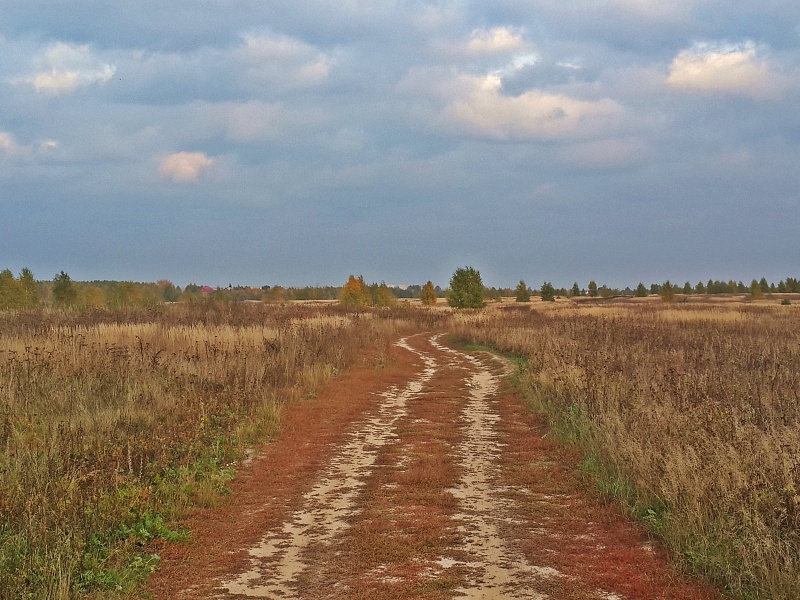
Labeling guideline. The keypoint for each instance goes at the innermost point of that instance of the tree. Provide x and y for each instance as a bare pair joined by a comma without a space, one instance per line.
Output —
428,294
548,292
65,292
764,285
576,290
641,291
700,288
466,289
756,290
522,293
12,294
687,288
92,297
593,289
355,292
667,291
383,296
30,289
169,292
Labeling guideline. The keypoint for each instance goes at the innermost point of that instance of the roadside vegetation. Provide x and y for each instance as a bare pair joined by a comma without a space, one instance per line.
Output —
688,415
114,423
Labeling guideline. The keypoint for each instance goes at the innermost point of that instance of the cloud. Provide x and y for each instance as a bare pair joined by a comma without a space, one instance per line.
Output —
284,60
185,166
476,105
606,153
66,67
498,39
727,69
656,10
8,145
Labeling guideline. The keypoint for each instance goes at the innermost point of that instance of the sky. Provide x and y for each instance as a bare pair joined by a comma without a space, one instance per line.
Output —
297,142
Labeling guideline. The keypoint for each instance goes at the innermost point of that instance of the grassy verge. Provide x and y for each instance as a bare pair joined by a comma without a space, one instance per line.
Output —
686,416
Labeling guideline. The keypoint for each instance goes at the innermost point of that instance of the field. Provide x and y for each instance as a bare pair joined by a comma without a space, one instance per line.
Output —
113,424
687,414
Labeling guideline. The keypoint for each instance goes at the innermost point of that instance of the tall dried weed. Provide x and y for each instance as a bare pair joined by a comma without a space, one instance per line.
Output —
690,415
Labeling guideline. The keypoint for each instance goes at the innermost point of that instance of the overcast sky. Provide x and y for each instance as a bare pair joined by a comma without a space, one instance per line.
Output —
296,142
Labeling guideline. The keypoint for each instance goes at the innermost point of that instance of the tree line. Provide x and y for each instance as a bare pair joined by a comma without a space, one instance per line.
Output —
465,290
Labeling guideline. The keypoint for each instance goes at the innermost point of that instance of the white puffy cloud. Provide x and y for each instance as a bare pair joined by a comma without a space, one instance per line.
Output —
65,67
185,166
498,39
476,105
728,69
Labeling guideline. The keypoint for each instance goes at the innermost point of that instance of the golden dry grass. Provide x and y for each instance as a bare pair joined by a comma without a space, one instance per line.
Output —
689,414
112,423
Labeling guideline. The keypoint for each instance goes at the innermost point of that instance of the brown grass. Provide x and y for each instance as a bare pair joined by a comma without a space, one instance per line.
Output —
112,423
688,414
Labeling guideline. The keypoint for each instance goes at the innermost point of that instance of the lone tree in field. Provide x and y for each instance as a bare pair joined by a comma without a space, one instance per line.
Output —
548,292
466,289
522,293
667,291
428,295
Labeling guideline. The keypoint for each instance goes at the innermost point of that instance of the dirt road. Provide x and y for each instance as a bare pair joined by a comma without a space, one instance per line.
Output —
423,479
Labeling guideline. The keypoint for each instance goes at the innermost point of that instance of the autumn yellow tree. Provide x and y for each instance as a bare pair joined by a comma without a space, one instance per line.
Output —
428,295
355,292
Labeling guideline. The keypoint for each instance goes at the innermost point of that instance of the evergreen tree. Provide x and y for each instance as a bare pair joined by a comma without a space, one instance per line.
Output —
576,290
593,288
667,291
548,292
522,293
699,288
687,288
65,292
466,289
641,291
756,290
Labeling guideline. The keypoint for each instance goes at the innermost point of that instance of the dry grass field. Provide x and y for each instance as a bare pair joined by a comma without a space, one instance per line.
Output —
112,423
689,414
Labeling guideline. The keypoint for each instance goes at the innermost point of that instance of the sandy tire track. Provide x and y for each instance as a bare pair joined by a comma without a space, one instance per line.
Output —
279,559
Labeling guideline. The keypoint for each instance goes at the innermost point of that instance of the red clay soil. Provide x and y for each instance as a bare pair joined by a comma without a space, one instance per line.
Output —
462,496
